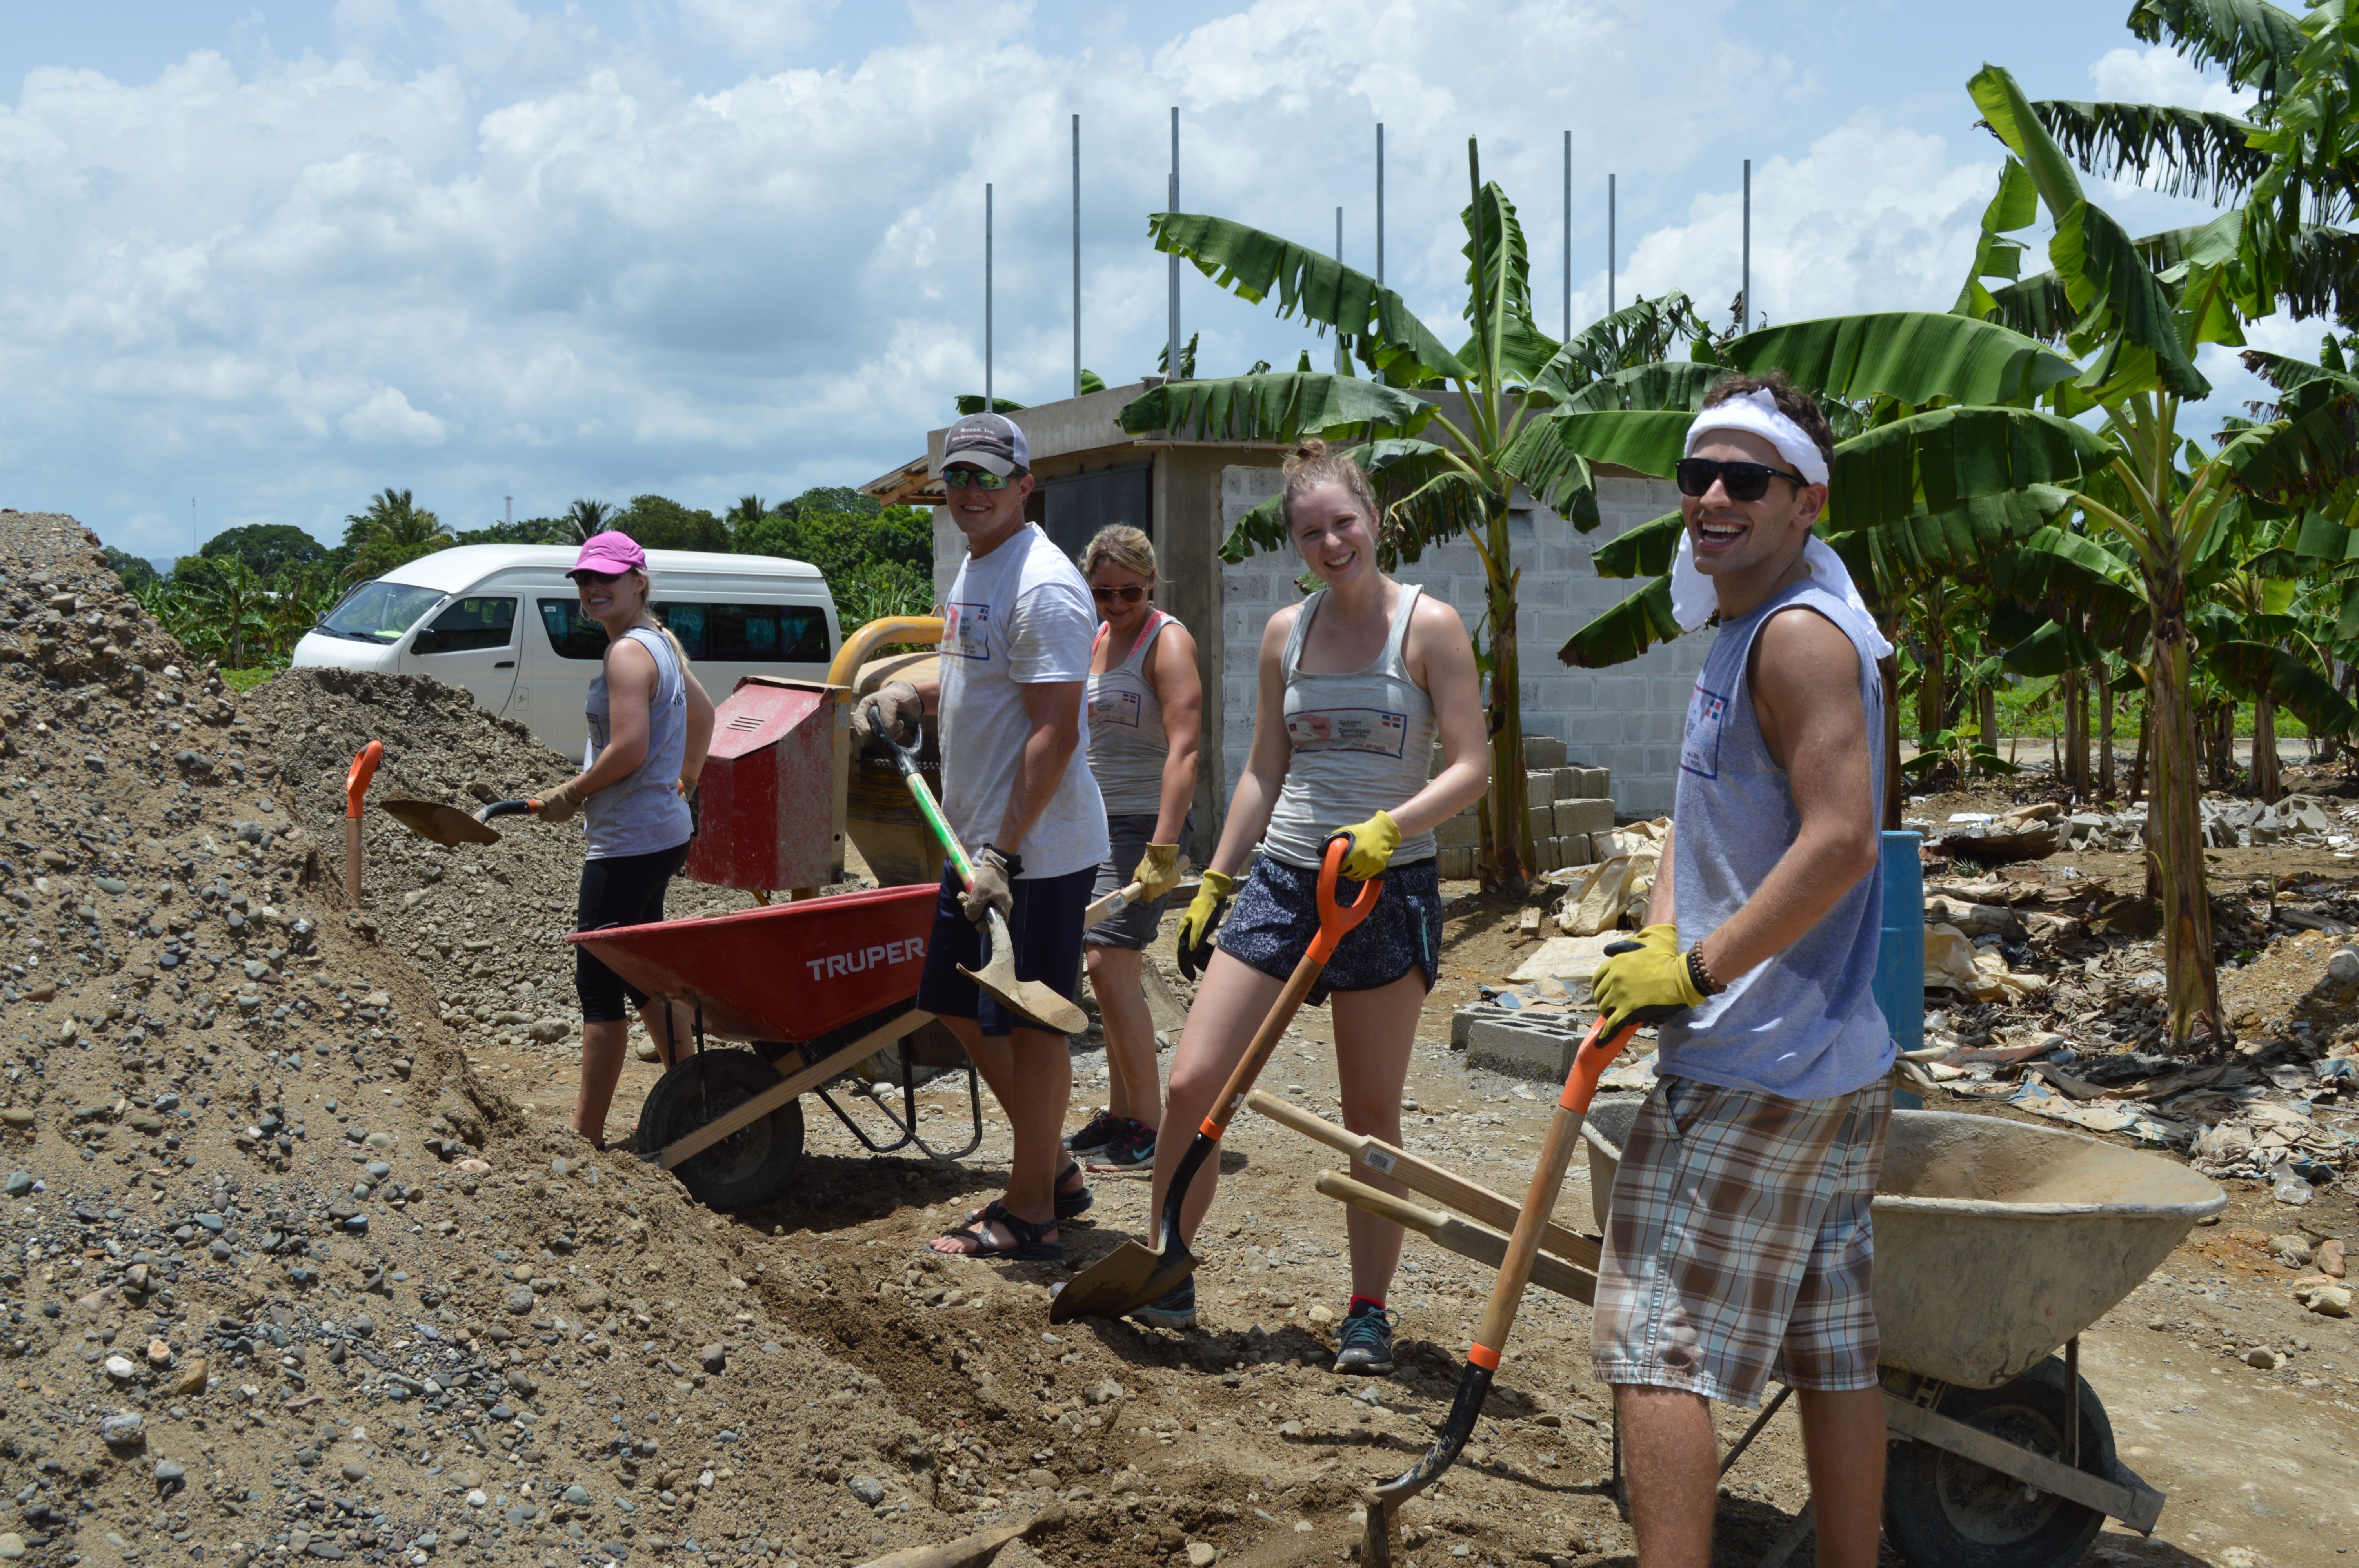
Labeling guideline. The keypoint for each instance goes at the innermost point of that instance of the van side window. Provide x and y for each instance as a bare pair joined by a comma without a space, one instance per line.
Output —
471,623
573,634
749,634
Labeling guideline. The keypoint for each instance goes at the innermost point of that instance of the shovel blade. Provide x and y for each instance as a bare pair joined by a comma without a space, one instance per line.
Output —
1033,1000
1122,1281
444,825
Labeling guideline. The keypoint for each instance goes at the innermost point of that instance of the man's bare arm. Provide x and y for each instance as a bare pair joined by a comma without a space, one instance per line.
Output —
1805,684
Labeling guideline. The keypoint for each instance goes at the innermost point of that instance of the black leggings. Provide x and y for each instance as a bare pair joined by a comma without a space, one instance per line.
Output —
622,890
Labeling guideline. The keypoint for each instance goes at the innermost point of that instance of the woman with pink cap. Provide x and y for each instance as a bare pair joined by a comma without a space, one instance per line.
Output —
650,723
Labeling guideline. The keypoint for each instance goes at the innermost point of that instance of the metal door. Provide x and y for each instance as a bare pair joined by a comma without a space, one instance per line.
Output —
470,643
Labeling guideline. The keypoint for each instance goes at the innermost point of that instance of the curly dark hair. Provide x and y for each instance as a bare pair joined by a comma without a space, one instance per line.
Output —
1791,400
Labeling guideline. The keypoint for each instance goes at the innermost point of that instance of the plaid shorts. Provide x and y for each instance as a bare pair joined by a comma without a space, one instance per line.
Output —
1739,1239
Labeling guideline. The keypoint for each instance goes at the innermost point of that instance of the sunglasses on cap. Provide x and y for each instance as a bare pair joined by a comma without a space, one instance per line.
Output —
1743,481
959,478
1129,593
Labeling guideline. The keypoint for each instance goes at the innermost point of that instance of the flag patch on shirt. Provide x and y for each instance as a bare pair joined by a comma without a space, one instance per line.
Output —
1348,730
1700,747
966,631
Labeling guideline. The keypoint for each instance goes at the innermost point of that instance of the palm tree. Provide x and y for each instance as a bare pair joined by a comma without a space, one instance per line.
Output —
393,529
586,517
1487,401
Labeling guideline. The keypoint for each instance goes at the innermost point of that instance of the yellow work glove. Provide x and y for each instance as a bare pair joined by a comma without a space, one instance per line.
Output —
560,804
1203,917
1646,979
1373,843
1158,872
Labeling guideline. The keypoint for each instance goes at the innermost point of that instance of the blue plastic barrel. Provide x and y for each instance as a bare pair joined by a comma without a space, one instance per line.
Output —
1900,961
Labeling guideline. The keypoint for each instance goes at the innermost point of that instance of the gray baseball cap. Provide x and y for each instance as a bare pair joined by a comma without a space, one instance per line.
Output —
988,441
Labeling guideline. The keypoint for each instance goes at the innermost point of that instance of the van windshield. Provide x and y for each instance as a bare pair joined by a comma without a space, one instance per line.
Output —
380,612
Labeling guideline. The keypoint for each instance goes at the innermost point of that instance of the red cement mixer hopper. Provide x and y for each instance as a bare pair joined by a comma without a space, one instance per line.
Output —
765,797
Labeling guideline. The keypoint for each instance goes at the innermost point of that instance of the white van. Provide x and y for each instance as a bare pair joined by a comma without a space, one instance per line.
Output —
504,622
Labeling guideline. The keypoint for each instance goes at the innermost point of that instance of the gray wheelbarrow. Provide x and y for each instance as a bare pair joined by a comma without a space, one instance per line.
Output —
1997,1243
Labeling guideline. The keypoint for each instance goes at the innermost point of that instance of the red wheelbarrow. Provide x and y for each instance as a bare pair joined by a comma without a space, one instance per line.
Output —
815,986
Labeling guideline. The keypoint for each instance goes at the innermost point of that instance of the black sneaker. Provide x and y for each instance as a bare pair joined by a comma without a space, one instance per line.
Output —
1132,1149
1364,1345
1095,1133
1175,1308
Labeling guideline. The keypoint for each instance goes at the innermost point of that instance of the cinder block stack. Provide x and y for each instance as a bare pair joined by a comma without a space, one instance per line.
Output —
1569,803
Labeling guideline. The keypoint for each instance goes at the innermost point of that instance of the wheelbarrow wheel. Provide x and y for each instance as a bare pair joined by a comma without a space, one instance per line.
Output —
1943,1510
753,1165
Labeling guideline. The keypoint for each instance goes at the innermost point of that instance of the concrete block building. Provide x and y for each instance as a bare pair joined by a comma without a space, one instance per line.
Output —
1188,495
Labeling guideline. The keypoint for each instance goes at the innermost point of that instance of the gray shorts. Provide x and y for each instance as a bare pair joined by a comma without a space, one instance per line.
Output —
1127,835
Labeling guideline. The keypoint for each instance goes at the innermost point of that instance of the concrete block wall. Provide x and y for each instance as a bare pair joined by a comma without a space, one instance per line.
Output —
1627,719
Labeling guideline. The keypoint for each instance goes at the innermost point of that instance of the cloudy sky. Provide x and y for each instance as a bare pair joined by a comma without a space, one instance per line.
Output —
272,257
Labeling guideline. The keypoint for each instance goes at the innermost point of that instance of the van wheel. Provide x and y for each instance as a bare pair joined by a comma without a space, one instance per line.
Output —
753,1165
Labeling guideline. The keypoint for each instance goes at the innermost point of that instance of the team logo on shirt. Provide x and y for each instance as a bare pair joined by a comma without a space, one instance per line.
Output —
966,631
1700,747
1370,730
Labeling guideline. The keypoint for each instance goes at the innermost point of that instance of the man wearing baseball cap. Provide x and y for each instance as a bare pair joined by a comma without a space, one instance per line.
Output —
1017,790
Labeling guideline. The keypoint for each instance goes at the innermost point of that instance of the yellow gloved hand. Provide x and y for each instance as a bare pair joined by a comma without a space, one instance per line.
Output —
1203,917
1373,843
1158,872
1645,979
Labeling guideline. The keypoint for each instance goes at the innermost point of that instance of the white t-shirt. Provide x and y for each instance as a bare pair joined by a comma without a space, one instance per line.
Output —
1019,616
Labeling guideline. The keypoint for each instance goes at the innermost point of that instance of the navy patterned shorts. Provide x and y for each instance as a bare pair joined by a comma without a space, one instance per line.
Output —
1277,914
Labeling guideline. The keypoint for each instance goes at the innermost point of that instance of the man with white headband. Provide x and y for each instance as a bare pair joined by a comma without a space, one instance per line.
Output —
1738,1241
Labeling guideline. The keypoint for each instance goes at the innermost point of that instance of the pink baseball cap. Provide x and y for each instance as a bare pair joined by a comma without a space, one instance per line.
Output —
609,555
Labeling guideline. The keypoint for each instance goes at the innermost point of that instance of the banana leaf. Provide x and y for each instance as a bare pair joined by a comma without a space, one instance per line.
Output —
2304,458
1641,332
1503,269
2115,294
1646,550
1913,355
2254,42
2180,152
2296,685
1282,407
1958,542
1624,631
1940,459
1666,383
1252,264
2050,651
2015,205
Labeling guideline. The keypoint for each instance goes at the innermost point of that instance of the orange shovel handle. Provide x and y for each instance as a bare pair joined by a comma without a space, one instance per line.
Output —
356,782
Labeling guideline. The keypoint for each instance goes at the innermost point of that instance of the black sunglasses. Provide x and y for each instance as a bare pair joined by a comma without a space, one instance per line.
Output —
1129,593
1743,481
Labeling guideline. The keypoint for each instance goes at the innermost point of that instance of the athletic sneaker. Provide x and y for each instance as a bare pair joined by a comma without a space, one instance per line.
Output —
1175,1308
1132,1147
1097,1132
1364,1343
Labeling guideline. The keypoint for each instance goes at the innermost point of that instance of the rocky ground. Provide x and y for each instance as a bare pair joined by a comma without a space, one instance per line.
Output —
302,1264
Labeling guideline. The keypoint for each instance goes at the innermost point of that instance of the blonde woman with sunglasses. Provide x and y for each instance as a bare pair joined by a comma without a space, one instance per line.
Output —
1147,704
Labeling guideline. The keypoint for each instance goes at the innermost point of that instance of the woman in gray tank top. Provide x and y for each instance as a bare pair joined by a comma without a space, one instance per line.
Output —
1147,705
650,722
1355,683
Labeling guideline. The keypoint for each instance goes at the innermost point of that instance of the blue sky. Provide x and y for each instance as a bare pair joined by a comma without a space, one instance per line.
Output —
273,257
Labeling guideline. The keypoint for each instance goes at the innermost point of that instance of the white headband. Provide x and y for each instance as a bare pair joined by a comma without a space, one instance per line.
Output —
1756,413
1693,597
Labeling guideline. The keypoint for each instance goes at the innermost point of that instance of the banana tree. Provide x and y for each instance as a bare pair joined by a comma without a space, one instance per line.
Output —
1445,435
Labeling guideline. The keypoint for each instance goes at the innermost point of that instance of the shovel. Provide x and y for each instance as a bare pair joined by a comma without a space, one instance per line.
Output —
1030,999
1597,1052
357,785
448,825
1130,1276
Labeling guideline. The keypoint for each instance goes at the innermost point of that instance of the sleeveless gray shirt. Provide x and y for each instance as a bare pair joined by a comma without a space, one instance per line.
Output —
1127,746
644,813
1360,743
1804,1025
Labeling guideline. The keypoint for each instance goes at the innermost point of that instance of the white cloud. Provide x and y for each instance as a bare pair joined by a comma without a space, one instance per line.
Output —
2158,75
1872,217
757,29
386,419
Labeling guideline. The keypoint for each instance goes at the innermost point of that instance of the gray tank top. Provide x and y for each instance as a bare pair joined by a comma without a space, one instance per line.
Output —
1127,746
1360,743
1804,1025
644,813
